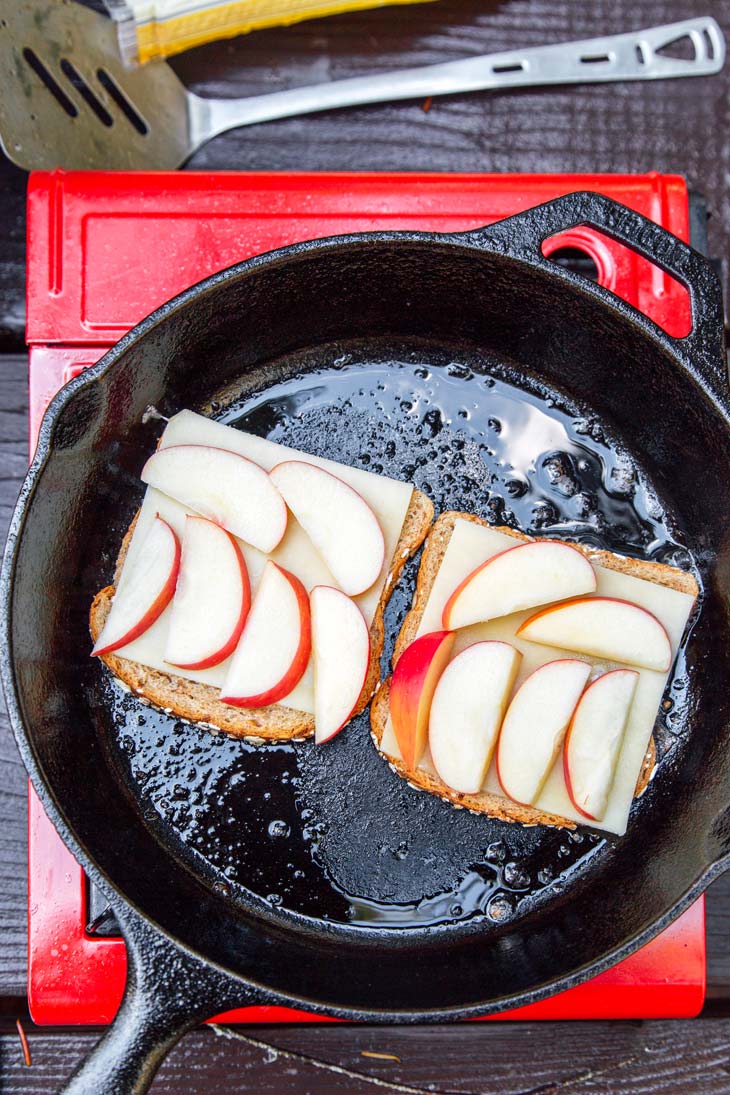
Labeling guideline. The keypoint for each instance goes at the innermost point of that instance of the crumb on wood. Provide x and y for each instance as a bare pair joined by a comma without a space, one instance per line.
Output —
24,1043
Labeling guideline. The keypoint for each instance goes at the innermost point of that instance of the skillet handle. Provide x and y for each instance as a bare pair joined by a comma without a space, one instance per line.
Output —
168,992
522,236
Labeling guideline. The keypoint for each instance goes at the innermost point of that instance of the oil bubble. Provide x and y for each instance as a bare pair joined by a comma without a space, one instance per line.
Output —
500,908
433,423
543,515
516,876
558,470
459,371
516,488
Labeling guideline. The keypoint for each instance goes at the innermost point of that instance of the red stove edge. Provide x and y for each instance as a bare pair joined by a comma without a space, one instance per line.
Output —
75,978
79,225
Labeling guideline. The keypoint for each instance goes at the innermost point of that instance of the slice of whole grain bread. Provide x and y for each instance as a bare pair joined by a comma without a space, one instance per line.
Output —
199,703
485,802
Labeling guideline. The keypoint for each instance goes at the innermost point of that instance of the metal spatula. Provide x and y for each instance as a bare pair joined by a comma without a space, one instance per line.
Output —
67,100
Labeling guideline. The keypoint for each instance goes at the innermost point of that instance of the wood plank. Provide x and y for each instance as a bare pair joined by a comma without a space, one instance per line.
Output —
718,941
476,1059
13,865
678,126
12,256
13,780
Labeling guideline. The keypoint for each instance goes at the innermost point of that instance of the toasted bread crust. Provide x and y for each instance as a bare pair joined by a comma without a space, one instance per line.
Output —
485,803
199,703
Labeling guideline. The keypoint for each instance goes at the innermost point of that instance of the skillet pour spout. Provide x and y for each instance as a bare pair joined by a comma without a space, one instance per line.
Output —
200,943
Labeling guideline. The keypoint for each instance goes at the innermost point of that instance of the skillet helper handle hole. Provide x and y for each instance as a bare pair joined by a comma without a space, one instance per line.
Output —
524,235
617,267
169,991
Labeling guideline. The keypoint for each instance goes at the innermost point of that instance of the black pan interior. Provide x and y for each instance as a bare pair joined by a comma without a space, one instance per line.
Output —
497,390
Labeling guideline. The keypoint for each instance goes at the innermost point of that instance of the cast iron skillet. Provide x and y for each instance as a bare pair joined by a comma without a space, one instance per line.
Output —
316,877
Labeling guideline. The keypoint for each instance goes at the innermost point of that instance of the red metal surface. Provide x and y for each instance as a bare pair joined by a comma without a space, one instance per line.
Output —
103,251
74,978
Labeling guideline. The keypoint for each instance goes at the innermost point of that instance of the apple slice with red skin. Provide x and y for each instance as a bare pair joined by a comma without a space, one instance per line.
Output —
223,486
534,727
274,649
518,578
604,627
412,686
338,521
145,589
594,738
212,597
467,710
341,645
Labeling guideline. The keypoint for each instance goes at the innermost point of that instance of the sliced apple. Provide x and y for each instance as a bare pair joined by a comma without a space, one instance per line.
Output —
338,521
467,710
223,486
212,597
341,645
593,742
275,645
534,727
604,627
145,589
412,686
518,578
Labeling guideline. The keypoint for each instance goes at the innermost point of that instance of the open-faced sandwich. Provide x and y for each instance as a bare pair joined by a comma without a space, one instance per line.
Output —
250,588
529,673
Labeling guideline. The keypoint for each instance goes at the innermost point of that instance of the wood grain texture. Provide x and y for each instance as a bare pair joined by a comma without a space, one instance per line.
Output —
718,943
469,1059
12,256
13,780
675,126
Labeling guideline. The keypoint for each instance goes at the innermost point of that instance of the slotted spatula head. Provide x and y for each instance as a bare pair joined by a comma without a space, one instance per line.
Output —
68,101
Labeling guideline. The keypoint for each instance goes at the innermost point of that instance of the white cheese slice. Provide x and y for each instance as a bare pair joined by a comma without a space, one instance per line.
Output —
388,498
469,546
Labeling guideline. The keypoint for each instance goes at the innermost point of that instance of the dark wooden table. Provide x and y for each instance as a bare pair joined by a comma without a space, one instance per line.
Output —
681,126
